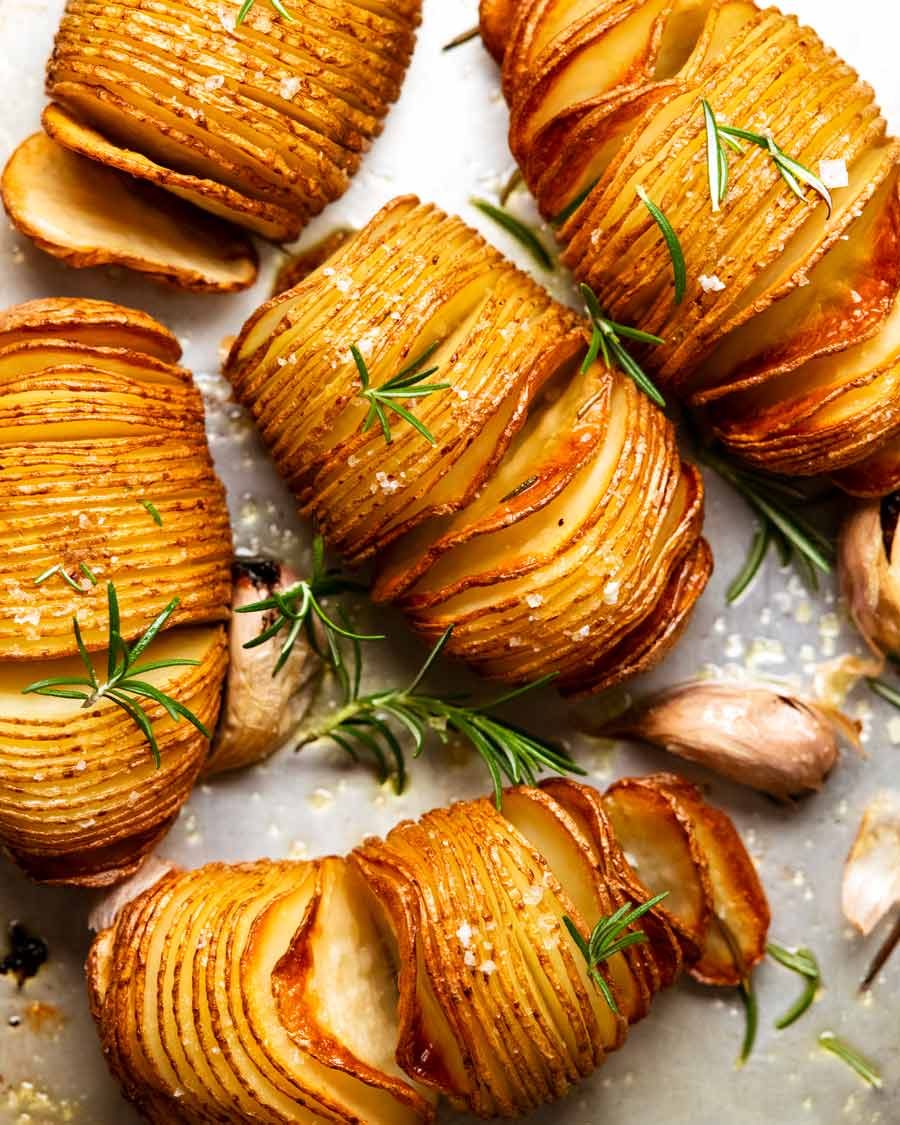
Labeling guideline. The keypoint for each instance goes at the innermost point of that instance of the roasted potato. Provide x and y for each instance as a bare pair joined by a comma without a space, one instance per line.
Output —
788,335
166,120
545,514
105,478
434,962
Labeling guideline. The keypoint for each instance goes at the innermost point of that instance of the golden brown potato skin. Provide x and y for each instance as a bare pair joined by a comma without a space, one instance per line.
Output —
551,523
207,988
96,418
788,336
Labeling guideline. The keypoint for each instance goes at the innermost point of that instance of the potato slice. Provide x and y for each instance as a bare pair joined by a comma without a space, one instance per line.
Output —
90,216
266,219
551,522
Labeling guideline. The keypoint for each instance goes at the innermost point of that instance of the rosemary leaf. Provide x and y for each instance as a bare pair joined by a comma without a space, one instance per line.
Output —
154,512
406,384
120,686
762,539
867,1072
519,489
362,725
278,5
611,935
521,232
804,963
463,37
679,269
606,339
751,1018
572,206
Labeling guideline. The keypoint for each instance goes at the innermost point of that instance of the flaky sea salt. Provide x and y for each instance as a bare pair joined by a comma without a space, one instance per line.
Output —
464,933
289,88
833,173
534,600
711,283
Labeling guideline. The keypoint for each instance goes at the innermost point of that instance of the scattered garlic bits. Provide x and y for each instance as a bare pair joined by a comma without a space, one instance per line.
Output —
435,962
871,885
259,124
788,328
523,574
95,413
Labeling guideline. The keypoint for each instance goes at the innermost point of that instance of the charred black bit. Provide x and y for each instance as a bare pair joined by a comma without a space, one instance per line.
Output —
27,953
263,573
890,513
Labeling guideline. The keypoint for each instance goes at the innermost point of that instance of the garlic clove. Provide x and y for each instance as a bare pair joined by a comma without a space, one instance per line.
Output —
259,709
872,870
752,734
869,571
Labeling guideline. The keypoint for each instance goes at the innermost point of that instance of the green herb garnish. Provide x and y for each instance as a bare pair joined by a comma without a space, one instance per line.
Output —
513,184
719,137
463,37
276,4
751,1017
367,724
123,685
154,512
299,608
606,338
406,384
59,569
608,938
867,1072
521,232
572,206
800,961
679,269
774,502
519,489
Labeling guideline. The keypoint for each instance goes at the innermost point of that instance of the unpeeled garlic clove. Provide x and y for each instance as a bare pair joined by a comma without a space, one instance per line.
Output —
755,735
869,569
872,869
259,709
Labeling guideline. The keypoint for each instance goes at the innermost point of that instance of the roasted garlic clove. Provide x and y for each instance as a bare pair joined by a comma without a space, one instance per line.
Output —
755,735
869,568
872,870
260,708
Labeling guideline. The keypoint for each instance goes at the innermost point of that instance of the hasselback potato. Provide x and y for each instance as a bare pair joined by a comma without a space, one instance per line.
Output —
168,118
788,333
541,511
107,494
434,962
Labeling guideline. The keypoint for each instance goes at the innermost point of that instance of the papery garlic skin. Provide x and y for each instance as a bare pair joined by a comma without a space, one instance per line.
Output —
872,870
870,577
751,734
260,710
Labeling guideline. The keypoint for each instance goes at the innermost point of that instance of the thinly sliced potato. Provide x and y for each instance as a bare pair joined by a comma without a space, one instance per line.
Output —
89,215
550,522
433,962
784,333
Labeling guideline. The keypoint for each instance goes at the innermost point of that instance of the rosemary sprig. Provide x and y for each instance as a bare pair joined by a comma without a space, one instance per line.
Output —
521,232
747,993
59,569
366,724
123,684
463,37
800,961
406,384
719,137
867,1072
530,482
679,268
572,206
278,5
153,510
885,691
515,181
608,938
298,608
606,338
774,502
